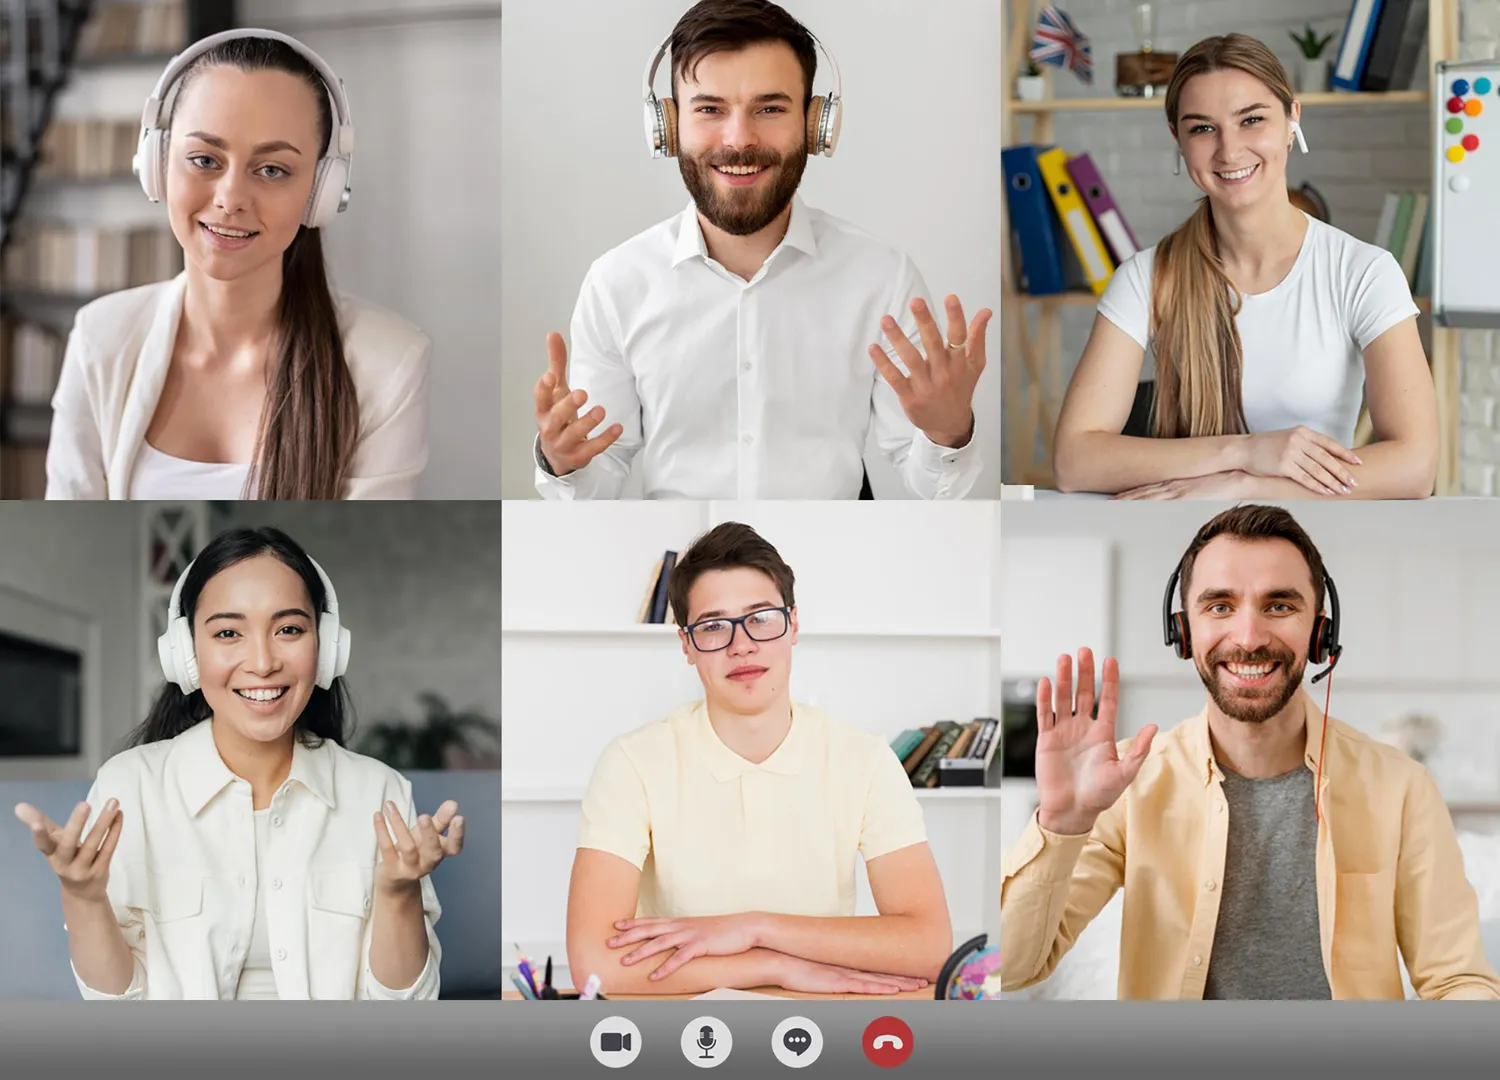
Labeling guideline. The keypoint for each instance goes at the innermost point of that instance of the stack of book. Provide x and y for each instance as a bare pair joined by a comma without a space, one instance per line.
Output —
1380,46
88,149
1403,232
948,754
120,29
86,262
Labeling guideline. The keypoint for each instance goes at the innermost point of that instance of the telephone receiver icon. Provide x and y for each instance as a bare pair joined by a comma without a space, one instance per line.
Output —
887,1040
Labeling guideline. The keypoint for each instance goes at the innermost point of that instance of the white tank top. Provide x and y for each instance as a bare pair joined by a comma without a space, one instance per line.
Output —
159,476
257,982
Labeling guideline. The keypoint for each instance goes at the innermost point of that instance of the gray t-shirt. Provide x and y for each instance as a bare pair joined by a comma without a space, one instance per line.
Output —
1266,943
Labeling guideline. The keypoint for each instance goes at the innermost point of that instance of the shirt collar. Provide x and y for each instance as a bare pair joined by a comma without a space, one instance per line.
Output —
1203,750
724,764
203,773
691,244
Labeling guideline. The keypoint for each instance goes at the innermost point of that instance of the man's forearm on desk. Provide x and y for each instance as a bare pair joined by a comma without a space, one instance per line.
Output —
742,971
889,944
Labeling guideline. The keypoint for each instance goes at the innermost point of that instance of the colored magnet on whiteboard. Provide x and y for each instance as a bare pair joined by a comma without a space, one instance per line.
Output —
1473,106
1455,153
1481,86
1455,125
1455,105
1471,143
1459,183
1461,87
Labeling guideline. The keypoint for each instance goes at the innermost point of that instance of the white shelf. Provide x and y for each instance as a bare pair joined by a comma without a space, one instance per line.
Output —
575,794
656,630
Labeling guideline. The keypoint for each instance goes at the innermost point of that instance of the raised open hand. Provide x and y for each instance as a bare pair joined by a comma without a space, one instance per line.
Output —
1079,774
81,866
938,394
564,434
407,857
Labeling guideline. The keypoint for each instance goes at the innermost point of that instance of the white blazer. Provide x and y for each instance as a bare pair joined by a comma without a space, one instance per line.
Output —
116,365
183,878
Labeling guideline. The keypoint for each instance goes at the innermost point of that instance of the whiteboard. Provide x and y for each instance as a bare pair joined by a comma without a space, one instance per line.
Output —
1466,193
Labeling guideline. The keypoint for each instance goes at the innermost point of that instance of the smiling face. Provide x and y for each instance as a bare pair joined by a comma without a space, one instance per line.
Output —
1235,136
255,637
748,676
742,135
241,159
1251,612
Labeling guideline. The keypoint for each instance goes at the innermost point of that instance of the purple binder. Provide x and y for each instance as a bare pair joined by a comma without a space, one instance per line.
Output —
1112,224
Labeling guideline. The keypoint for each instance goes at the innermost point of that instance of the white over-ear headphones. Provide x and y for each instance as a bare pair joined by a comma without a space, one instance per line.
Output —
179,662
330,190
825,115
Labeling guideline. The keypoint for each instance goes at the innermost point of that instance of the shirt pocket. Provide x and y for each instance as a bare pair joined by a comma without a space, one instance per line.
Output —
1364,927
339,899
164,894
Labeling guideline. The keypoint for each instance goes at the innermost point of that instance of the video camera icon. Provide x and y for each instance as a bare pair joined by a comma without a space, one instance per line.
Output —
615,1042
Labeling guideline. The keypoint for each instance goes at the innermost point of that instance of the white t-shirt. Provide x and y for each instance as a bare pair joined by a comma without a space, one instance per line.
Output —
1304,340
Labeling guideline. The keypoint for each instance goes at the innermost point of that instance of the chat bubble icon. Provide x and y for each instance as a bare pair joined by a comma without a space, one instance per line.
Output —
797,1040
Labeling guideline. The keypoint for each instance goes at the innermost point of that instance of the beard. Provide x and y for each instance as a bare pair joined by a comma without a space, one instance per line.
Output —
1252,706
742,211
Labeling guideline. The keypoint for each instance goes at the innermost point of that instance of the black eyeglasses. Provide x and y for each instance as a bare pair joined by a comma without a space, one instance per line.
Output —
712,635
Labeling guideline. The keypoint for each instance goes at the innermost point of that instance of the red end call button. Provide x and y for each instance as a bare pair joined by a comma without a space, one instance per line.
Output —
888,1042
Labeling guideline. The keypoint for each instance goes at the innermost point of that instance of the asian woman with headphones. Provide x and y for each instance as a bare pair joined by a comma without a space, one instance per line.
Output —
1268,327
245,376
237,850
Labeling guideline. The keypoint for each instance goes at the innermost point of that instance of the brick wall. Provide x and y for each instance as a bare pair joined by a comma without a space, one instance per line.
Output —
1356,154
1479,437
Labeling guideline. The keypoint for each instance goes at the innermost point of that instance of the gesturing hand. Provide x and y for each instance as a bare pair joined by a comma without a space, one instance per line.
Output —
722,935
938,394
1309,457
565,435
809,977
83,868
1079,774
406,858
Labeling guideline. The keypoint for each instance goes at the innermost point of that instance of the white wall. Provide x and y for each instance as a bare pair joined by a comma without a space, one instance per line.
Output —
918,166
876,587
1419,589
422,232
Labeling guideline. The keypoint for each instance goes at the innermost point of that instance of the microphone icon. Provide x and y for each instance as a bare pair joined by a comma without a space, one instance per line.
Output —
706,1041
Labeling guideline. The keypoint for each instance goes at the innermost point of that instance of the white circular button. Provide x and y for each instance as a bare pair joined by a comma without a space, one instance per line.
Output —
748,439
615,1042
746,366
275,883
1210,886
706,1042
1459,183
281,954
1197,960
276,821
797,1042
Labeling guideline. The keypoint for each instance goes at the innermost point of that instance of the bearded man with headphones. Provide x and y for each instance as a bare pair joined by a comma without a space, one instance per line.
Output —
1266,849
728,349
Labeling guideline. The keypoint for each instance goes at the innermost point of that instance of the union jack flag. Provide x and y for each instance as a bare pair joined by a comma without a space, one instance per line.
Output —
1059,42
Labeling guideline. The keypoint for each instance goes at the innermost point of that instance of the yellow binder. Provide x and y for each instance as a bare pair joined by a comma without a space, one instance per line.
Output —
1097,264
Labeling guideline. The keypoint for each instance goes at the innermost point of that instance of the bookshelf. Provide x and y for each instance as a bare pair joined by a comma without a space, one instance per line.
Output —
70,230
1033,365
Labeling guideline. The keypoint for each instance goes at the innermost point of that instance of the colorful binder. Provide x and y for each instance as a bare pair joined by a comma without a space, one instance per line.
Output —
1117,234
1082,233
1038,232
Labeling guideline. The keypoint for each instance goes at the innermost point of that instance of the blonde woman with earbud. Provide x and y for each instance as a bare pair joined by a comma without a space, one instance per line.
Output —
1268,327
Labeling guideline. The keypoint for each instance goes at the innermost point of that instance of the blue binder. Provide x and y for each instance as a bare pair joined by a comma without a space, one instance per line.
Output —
1038,230
1354,46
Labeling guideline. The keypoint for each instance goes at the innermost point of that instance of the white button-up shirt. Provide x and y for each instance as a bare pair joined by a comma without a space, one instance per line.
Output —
183,881
728,389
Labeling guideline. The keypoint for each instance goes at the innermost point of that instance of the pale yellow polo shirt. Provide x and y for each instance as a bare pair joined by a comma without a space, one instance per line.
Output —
715,834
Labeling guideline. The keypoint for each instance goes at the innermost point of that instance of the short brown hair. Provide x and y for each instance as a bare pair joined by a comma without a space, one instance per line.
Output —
714,26
727,547
1256,523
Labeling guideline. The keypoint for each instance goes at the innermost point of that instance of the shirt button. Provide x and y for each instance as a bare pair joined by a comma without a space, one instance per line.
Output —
746,366
281,954
367,902
275,883
748,439
1218,808
276,821
1197,961
242,879
1210,886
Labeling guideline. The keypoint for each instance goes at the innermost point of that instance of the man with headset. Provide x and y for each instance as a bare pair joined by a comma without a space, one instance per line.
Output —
1267,850
729,347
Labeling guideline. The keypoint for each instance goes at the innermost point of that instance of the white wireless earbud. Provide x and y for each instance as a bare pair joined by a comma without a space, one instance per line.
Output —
1297,131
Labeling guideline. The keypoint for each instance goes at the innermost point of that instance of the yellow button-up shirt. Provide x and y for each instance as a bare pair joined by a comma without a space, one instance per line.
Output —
1390,876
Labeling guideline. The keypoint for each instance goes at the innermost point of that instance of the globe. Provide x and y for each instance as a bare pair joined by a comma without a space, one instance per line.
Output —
977,977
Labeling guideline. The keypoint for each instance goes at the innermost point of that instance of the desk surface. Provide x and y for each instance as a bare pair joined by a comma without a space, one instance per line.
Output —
770,991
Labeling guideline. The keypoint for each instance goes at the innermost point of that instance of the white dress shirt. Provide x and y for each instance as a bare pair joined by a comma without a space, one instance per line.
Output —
116,365
728,389
185,876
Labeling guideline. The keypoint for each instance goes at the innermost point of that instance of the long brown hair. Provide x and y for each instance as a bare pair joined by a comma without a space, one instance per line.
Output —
310,423
1199,358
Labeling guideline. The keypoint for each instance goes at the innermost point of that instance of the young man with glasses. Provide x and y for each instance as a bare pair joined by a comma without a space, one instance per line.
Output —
718,847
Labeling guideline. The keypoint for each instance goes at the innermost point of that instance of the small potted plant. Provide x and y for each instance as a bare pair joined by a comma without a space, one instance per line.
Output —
1312,73
1031,86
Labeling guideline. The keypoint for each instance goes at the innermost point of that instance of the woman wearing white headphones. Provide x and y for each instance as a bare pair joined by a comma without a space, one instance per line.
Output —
243,377
1268,326
237,850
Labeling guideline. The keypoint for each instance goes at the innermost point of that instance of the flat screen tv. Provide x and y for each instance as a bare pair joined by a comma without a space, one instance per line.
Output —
41,699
